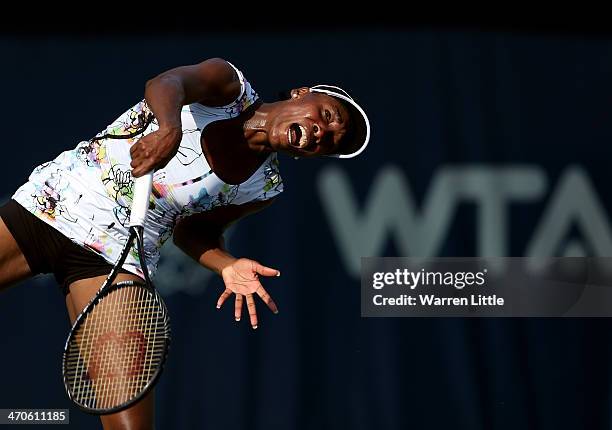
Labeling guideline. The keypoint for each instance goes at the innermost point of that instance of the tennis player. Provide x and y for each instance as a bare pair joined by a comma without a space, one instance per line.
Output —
213,145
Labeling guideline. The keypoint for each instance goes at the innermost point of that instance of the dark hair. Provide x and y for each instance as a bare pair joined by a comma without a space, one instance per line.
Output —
350,141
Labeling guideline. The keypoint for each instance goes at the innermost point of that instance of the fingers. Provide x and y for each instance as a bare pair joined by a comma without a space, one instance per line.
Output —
265,271
146,165
144,155
139,155
252,310
263,294
138,168
134,150
238,307
141,165
223,297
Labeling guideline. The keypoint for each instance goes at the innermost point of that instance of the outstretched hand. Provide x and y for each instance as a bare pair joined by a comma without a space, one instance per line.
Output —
155,150
242,278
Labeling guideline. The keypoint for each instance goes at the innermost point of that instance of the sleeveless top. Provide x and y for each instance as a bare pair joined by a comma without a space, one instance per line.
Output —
86,193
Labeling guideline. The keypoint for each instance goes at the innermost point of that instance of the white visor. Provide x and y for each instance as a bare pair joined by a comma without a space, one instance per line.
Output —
361,123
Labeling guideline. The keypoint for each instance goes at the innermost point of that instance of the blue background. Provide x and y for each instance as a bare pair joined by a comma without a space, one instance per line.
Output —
533,107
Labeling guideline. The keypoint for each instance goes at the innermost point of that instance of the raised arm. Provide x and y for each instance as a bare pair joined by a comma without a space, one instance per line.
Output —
213,82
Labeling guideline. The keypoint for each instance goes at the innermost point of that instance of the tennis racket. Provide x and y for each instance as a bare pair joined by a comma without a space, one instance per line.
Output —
117,347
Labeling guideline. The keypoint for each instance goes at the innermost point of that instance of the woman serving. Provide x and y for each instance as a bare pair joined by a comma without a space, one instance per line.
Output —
213,145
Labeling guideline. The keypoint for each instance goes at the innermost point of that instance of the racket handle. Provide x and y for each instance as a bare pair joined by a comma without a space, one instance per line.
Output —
140,202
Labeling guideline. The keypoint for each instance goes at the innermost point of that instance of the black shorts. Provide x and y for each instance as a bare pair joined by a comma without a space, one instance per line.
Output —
48,251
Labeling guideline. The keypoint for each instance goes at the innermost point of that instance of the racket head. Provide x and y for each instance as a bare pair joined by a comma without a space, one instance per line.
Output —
116,349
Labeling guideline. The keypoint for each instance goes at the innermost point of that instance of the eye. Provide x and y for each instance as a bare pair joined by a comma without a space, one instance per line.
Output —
327,116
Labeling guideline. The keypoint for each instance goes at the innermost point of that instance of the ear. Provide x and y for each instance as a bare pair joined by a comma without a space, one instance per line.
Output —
297,93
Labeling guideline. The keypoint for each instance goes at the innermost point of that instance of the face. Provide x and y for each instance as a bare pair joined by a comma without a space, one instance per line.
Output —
308,124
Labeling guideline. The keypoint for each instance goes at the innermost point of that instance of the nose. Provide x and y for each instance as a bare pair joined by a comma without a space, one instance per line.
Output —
318,131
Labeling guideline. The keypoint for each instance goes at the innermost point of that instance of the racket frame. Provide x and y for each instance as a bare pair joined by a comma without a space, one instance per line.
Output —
79,321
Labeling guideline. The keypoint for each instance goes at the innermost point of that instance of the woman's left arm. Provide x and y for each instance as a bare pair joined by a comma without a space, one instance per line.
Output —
201,237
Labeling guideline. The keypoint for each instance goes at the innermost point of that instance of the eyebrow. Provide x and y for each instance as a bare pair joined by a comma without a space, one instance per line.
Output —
338,115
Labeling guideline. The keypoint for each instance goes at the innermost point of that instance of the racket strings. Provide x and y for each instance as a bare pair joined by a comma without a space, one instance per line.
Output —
117,350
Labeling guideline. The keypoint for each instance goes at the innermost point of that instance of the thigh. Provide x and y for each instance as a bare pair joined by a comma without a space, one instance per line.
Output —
13,265
140,415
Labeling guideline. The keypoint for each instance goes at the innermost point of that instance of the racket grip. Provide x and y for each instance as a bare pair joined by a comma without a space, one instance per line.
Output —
140,202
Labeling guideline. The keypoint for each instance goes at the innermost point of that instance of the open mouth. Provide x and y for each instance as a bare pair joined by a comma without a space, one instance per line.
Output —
296,135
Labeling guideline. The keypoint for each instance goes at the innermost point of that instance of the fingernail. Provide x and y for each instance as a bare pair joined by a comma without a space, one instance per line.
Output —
254,327
237,319
278,273
218,307
275,312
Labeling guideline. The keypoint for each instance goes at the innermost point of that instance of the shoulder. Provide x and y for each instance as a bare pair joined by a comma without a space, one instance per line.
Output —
212,82
223,81
218,70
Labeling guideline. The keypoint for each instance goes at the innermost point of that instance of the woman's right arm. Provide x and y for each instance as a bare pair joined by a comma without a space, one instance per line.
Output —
212,82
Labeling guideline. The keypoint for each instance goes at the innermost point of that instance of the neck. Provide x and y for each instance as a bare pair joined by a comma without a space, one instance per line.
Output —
254,124
256,128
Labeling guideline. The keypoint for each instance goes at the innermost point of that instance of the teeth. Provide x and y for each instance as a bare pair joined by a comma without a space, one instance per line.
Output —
289,136
304,137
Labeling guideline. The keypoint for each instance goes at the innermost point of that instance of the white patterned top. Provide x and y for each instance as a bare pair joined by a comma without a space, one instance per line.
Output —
86,193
